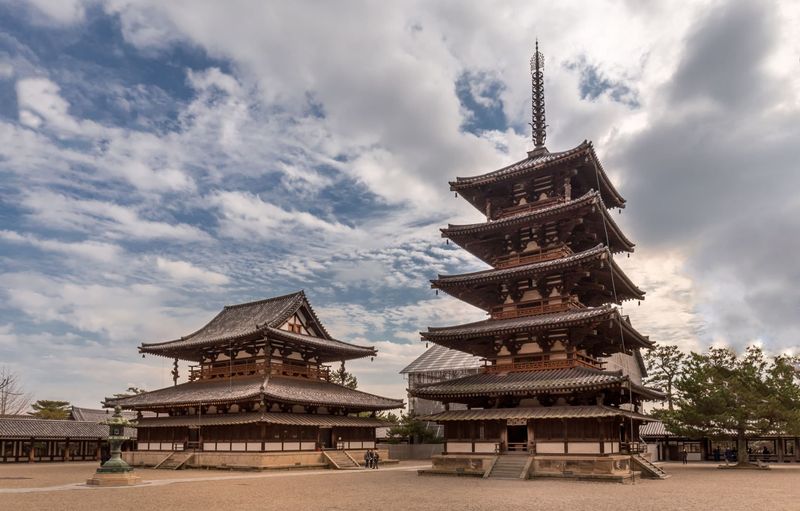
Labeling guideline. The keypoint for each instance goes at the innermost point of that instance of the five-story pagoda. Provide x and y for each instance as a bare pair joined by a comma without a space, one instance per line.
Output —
552,296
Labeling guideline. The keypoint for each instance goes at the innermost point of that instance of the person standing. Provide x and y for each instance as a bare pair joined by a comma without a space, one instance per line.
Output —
685,455
367,458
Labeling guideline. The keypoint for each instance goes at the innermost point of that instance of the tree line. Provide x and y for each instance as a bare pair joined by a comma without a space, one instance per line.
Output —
721,394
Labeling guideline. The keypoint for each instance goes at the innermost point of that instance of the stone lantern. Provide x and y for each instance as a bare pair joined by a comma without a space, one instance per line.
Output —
115,471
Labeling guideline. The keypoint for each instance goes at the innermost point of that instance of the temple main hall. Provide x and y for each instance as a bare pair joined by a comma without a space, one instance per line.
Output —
261,393
544,403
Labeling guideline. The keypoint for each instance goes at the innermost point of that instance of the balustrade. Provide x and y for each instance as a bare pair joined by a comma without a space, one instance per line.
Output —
258,367
531,206
533,308
577,360
538,256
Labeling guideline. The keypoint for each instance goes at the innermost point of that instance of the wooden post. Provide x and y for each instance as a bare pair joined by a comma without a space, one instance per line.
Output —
66,451
531,440
30,452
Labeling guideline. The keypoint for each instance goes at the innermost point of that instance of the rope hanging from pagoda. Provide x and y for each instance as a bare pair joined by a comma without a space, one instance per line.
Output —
537,123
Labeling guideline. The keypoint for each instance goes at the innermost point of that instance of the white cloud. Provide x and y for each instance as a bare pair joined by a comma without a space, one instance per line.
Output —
95,216
187,272
61,11
244,215
99,251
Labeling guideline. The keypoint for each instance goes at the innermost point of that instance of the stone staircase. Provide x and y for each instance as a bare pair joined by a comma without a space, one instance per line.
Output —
340,460
510,467
648,468
175,461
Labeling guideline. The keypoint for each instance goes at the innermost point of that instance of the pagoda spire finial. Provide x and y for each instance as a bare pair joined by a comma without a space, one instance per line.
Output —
538,125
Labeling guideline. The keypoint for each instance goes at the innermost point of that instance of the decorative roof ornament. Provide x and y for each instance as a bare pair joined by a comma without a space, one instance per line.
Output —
537,123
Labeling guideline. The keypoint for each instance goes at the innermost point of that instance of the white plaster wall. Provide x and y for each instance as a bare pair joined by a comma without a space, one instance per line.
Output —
549,447
459,446
584,447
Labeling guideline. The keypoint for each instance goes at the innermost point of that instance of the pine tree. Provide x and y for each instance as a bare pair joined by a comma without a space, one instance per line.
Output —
664,365
46,409
720,393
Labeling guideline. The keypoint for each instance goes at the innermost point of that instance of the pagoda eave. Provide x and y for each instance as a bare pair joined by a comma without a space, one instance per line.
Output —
536,164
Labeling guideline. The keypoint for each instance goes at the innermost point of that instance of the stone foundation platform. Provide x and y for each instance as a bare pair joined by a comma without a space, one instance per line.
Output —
121,479
613,467
248,460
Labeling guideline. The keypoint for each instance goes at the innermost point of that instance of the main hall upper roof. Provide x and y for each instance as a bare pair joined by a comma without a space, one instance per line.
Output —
255,321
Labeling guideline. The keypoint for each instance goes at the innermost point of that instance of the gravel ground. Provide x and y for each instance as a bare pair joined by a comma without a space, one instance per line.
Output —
691,487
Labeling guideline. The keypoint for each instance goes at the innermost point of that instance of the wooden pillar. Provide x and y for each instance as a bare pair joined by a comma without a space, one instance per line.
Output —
31,453
779,449
531,439
66,451
504,437
566,438
98,453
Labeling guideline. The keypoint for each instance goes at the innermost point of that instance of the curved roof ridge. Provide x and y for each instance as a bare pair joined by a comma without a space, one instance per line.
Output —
521,165
264,300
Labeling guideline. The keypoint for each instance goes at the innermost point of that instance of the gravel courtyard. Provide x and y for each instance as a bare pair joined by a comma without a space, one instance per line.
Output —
691,487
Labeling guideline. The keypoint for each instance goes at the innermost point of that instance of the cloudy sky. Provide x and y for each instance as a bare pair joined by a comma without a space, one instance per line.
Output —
161,159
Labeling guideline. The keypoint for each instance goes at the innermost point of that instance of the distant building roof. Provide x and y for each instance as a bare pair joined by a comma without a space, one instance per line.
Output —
96,415
438,358
51,429
654,429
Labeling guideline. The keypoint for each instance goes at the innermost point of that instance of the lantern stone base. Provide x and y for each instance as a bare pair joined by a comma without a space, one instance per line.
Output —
114,479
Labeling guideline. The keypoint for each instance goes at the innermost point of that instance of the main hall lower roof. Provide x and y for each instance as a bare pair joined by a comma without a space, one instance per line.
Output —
289,419
278,388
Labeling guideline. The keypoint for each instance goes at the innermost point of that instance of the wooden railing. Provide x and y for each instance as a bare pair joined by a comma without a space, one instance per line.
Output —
517,446
532,257
258,367
577,360
515,210
533,308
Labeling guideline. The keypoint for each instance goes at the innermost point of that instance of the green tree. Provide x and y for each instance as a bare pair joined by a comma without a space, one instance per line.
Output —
413,430
389,417
46,409
342,377
131,391
664,365
720,393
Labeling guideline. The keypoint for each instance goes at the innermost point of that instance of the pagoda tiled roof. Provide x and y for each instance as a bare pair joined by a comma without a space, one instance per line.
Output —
257,320
485,276
51,429
282,389
525,383
289,419
590,198
540,412
537,162
599,253
522,383
575,317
